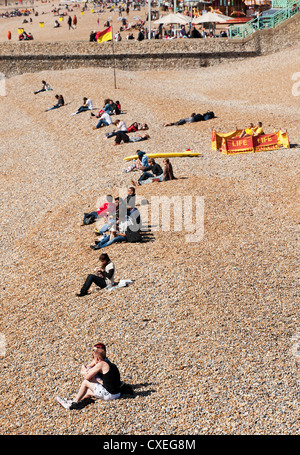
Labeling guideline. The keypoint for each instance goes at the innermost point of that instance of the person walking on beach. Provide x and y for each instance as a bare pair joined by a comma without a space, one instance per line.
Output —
70,22
74,21
101,380
104,275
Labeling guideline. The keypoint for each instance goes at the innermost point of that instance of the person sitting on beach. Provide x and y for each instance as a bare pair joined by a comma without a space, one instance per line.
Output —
108,107
44,88
112,219
121,126
103,277
86,106
129,200
124,232
193,118
252,130
60,103
116,106
165,176
106,209
248,131
153,170
140,163
56,24
101,381
259,130
105,120
122,136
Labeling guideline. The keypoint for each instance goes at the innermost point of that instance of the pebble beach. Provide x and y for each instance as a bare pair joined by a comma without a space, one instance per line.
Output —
208,333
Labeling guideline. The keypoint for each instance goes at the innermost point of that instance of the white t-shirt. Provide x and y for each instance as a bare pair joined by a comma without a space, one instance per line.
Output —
106,117
89,104
110,266
122,126
124,225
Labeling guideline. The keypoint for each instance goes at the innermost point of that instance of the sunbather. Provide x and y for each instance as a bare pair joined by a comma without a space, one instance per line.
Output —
101,380
166,175
104,275
105,120
86,106
44,88
60,103
193,118
122,136
140,163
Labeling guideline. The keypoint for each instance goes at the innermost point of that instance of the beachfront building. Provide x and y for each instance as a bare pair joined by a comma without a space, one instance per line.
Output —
228,7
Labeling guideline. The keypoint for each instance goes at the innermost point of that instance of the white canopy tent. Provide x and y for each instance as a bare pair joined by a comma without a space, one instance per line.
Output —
172,19
210,18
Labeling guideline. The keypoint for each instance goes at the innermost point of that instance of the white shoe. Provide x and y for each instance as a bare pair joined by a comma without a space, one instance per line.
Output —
64,403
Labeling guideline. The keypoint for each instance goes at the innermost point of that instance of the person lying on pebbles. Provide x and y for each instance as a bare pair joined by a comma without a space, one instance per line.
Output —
133,128
122,136
193,118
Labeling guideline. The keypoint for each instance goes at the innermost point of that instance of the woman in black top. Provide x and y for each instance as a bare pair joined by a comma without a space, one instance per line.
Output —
104,275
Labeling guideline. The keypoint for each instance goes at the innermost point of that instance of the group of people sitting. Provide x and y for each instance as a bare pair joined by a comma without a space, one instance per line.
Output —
24,36
150,170
252,130
122,220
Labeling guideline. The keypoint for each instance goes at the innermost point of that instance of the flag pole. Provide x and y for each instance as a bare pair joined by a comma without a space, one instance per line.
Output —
113,49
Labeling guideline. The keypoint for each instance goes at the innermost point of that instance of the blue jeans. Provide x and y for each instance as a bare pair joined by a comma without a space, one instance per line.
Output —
106,241
107,226
102,122
145,176
39,91
54,107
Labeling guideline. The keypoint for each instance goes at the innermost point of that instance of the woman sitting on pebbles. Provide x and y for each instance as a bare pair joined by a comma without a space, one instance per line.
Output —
60,103
103,277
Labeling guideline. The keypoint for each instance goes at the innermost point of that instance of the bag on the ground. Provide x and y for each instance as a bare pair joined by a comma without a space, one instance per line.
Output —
133,236
208,115
88,219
